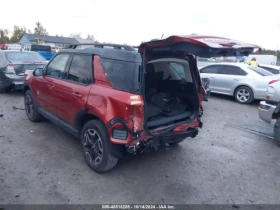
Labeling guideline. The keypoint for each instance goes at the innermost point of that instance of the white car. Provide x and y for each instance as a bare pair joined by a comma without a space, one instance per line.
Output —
242,81
269,110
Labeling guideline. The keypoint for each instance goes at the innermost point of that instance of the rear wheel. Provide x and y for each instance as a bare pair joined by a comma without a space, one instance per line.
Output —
277,131
96,147
244,95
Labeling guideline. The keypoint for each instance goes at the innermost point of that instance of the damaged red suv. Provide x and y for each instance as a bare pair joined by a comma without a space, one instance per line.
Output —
118,100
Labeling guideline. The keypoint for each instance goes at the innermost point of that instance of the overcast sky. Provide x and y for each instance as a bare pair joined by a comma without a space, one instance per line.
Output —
134,21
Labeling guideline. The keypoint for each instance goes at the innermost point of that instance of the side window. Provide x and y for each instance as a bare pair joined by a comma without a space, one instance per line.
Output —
209,70
81,69
242,72
57,66
179,69
230,70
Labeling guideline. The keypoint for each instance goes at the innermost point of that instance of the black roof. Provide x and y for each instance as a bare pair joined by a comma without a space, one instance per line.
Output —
52,39
110,53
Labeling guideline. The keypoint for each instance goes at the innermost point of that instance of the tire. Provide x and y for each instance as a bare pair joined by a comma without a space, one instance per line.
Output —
31,108
244,95
277,131
97,147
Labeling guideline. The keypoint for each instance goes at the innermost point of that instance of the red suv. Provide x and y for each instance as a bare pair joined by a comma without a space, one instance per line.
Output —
116,99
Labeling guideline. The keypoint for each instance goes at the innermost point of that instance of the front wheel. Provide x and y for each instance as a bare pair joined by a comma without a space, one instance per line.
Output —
96,147
31,108
244,95
277,131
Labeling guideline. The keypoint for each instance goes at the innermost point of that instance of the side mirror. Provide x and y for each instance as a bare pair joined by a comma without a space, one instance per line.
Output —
38,72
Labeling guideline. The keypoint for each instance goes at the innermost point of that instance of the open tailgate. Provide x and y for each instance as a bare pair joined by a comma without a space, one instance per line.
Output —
202,46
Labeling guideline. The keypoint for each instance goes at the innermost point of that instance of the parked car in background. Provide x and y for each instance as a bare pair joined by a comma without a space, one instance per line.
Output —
3,47
115,101
270,108
212,60
45,50
13,64
245,83
271,68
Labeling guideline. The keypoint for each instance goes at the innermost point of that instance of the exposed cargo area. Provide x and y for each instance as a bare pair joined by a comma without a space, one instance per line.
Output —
170,92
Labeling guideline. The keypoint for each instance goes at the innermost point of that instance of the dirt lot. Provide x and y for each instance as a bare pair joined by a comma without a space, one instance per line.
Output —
234,159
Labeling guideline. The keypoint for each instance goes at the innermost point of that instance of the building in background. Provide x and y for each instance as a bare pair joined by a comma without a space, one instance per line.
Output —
54,41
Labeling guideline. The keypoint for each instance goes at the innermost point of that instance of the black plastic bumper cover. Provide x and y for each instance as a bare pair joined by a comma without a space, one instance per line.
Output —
174,137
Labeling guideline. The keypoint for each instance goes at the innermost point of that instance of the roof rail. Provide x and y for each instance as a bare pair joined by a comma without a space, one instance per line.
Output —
99,45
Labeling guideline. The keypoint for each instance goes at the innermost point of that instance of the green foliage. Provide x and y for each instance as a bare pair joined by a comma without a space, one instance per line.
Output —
4,38
17,33
39,29
264,52
77,35
91,37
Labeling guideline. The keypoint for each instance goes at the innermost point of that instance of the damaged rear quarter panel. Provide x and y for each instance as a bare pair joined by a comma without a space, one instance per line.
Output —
107,103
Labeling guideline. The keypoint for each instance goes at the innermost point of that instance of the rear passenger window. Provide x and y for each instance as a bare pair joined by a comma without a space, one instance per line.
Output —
81,69
122,75
179,69
209,70
57,66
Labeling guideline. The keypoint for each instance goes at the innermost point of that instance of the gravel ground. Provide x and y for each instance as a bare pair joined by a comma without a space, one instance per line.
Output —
234,159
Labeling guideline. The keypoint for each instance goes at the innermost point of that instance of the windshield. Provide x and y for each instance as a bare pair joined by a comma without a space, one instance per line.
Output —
24,56
260,71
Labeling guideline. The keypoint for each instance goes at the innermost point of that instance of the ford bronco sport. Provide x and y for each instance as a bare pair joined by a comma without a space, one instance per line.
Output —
116,99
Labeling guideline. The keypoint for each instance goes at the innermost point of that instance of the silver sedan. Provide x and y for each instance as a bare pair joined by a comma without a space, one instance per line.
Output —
245,83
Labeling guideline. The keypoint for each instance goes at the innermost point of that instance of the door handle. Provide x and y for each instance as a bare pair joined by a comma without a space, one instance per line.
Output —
236,79
76,94
211,77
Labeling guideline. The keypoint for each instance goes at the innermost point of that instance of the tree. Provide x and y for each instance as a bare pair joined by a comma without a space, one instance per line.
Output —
278,55
39,29
77,35
91,37
17,33
264,52
4,38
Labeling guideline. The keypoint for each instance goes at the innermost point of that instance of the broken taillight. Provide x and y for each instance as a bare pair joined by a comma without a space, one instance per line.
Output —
10,69
136,100
272,81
